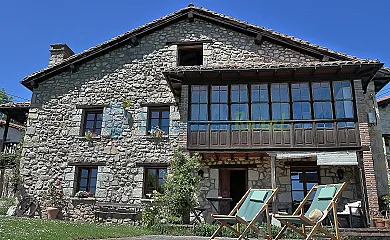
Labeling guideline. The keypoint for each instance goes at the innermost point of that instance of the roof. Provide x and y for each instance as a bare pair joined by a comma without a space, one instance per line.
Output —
275,65
16,110
384,101
255,72
185,13
12,125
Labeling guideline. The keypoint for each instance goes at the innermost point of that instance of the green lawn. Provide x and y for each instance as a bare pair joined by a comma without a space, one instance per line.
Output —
21,228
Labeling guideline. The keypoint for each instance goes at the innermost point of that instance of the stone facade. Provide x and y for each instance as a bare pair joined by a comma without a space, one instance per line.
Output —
54,147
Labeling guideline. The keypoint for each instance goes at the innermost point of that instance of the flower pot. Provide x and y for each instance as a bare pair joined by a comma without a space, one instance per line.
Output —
379,222
52,212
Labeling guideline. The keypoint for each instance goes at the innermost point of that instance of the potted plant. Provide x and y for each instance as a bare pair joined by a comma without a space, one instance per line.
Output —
83,194
55,199
156,132
379,221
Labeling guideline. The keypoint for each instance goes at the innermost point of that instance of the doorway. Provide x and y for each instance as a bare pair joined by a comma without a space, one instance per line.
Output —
233,183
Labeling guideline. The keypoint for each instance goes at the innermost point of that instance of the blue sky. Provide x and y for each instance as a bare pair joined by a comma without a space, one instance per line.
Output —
359,28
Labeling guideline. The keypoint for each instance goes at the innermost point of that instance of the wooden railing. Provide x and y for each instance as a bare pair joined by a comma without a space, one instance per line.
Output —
9,147
275,134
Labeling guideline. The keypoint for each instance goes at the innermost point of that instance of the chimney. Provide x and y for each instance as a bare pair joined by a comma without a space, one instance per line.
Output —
59,52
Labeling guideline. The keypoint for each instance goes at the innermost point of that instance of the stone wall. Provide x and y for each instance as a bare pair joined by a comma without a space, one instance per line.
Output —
53,146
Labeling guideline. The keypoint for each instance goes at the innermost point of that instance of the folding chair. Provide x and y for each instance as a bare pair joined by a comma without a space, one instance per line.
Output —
247,211
196,210
324,200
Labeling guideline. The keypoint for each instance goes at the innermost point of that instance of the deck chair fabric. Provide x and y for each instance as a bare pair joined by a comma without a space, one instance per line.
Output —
324,200
247,212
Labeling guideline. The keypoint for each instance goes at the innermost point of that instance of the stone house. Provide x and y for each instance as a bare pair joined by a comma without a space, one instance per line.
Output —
262,108
384,113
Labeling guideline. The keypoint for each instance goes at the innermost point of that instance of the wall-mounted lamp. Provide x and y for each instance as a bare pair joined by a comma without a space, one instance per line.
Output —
340,174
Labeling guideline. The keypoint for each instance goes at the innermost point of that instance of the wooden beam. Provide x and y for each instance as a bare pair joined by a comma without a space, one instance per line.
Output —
5,133
259,39
273,182
325,58
190,17
134,41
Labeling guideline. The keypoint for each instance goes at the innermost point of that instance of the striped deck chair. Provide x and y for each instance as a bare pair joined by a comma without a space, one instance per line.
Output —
324,202
247,212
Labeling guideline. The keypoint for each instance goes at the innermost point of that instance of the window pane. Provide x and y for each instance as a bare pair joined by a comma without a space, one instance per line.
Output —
165,114
275,92
99,124
84,173
296,185
297,195
203,96
195,111
92,190
301,110
300,91
280,111
195,96
90,116
94,172
99,117
323,110
155,114
239,112
89,125
219,112
203,114
92,182
342,90
321,91
165,129
344,109
260,111
83,182
154,122
164,122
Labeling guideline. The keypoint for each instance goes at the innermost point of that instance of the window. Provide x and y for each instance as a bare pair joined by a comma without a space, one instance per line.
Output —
302,180
153,179
219,106
343,99
87,179
322,101
260,107
93,119
280,101
239,108
159,117
190,55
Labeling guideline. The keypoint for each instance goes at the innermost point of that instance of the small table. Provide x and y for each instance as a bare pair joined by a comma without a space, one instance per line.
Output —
217,199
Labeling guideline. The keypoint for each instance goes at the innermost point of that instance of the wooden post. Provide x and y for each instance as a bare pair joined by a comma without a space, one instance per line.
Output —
2,147
273,182
5,133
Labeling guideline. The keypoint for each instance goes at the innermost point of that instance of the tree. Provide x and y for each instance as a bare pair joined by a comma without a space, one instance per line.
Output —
4,98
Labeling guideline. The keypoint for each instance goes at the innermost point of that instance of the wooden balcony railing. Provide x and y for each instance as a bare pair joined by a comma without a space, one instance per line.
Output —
268,135
9,147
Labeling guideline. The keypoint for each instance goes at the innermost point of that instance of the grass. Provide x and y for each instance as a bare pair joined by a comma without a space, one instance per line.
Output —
22,228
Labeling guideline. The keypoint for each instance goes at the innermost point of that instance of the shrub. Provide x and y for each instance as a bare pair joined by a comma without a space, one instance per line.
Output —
5,203
182,182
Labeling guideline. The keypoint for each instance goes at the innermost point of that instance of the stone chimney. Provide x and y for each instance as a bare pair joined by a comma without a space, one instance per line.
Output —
59,52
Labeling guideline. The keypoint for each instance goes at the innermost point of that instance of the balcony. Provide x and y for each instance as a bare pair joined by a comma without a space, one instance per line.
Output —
9,147
297,135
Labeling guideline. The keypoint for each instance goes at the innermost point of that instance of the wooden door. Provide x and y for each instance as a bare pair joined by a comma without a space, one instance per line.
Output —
224,190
